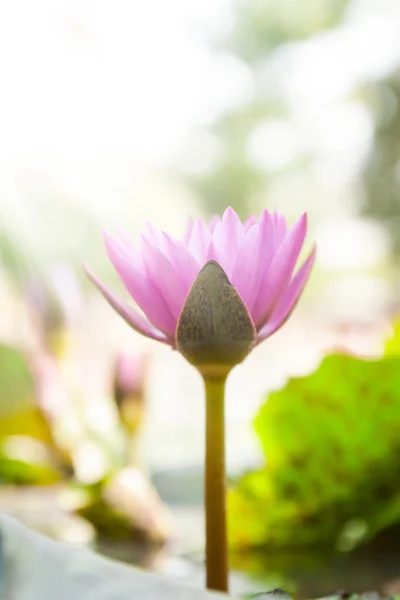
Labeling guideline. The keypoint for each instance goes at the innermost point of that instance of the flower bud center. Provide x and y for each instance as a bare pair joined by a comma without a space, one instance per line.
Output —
215,331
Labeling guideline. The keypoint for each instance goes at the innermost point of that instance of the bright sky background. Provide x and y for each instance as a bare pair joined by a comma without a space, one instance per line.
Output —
98,93
86,78
98,80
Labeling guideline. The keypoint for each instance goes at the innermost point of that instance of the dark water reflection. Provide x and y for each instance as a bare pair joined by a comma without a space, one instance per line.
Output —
303,574
313,575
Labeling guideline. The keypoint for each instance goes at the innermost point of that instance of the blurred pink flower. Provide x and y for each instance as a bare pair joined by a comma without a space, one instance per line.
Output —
129,388
129,376
54,296
258,256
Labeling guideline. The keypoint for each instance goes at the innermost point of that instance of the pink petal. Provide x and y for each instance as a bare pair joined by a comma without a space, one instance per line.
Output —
280,229
255,255
289,299
182,260
188,232
142,290
158,239
153,235
177,253
233,226
249,222
278,275
165,278
125,248
125,240
134,319
199,242
212,224
228,237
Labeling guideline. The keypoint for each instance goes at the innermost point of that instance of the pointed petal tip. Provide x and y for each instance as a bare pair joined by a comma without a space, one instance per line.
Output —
110,238
89,273
290,299
304,219
213,222
229,212
301,226
103,289
280,272
105,234
129,314
313,252
310,260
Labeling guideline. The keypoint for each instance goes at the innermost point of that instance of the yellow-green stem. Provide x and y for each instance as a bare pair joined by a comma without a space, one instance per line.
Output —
215,486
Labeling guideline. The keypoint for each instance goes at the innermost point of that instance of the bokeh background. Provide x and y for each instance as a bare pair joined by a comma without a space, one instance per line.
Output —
125,112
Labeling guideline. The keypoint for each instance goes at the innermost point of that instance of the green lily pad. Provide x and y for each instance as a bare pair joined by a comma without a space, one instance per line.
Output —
332,447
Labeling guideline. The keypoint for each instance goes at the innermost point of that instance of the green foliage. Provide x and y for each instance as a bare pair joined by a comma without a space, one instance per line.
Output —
21,421
392,346
19,414
16,381
381,174
236,180
117,512
24,472
261,25
233,184
259,28
110,523
332,448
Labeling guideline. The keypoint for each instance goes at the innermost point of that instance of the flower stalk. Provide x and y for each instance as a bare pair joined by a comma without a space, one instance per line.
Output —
215,486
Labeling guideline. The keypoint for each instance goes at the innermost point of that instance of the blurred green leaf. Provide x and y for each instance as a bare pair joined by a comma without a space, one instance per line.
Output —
392,346
332,459
260,31
262,25
19,413
381,171
16,381
109,522
21,423
21,472
125,506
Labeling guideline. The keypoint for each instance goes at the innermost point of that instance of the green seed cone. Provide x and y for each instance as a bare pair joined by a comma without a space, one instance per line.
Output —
215,330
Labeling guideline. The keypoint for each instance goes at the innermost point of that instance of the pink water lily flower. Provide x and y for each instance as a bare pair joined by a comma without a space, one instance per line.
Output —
258,256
